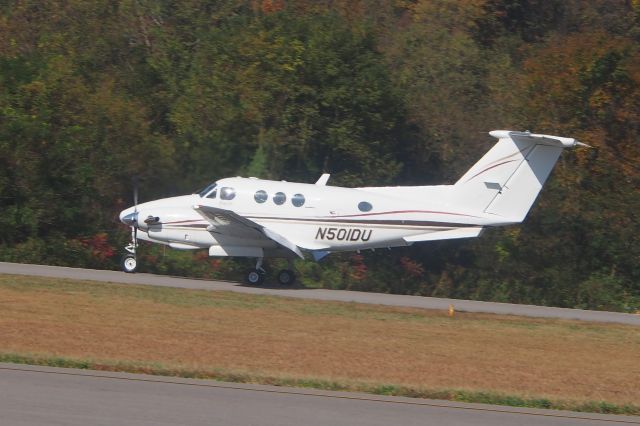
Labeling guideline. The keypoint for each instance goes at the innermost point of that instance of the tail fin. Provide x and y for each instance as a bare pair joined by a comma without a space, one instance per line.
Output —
507,180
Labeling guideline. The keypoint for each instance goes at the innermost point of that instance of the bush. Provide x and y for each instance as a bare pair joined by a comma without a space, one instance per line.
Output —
603,292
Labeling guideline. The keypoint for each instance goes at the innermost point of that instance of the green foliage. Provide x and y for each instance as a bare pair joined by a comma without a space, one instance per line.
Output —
163,260
94,93
300,94
93,252
603,292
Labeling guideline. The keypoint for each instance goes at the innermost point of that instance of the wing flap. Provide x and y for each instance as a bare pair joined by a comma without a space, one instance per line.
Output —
283,241
470,232
227,222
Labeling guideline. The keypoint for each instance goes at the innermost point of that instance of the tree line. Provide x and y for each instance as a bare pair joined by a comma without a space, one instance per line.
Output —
376,92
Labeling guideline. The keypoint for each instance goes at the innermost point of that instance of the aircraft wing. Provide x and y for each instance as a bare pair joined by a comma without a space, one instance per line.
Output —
227,222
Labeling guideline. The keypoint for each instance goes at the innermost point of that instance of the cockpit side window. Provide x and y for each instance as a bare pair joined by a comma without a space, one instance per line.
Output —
213,193
208,189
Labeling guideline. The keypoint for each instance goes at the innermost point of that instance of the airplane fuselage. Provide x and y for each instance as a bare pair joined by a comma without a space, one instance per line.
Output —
313,217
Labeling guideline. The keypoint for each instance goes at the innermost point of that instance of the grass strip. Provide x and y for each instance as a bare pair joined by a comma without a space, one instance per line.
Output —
601,407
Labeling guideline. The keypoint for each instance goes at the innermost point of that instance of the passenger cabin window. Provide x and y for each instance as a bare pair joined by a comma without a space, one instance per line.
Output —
364,206
227,193
297,200
279,198
260,196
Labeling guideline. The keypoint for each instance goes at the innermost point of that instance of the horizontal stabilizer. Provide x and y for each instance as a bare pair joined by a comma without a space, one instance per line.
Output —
535,138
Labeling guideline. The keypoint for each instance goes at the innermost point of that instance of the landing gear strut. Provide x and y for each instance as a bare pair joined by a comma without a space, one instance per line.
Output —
129,261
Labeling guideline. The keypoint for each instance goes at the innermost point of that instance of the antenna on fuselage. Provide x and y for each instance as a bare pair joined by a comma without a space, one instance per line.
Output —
322,181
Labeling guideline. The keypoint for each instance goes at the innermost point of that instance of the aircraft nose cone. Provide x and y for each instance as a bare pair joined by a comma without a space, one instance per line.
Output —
130,219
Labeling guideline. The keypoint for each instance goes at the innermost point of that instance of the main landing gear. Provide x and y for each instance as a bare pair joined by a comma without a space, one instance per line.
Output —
286,277
257,276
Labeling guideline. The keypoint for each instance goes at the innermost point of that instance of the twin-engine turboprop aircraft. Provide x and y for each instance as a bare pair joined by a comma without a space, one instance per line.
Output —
258,218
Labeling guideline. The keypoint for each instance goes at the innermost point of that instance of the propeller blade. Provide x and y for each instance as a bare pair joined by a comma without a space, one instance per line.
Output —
135,193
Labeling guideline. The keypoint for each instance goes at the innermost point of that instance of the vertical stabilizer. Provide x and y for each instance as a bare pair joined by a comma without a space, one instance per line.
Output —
508,178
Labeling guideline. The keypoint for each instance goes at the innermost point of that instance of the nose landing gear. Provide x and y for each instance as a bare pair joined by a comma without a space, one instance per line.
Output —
129,262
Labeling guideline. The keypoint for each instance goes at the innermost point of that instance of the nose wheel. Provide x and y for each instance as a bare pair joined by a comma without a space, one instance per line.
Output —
129,263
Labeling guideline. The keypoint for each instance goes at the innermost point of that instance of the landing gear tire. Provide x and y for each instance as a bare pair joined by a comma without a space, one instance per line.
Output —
129,263
255,277
286,277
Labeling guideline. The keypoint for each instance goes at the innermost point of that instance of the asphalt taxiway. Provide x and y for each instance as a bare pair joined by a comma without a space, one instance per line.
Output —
35,395
321,294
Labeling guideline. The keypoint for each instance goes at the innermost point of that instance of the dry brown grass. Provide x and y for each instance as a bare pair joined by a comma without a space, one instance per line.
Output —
325,340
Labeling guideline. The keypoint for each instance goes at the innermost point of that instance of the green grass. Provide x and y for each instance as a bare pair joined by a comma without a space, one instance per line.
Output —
458,395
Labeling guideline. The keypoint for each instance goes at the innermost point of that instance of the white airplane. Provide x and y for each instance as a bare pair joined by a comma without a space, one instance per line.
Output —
250,217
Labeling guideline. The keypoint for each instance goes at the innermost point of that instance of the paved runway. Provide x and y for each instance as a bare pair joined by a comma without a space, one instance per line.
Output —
321,294
33,395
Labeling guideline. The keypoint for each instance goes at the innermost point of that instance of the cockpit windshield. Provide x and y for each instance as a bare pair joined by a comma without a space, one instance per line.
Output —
207,190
